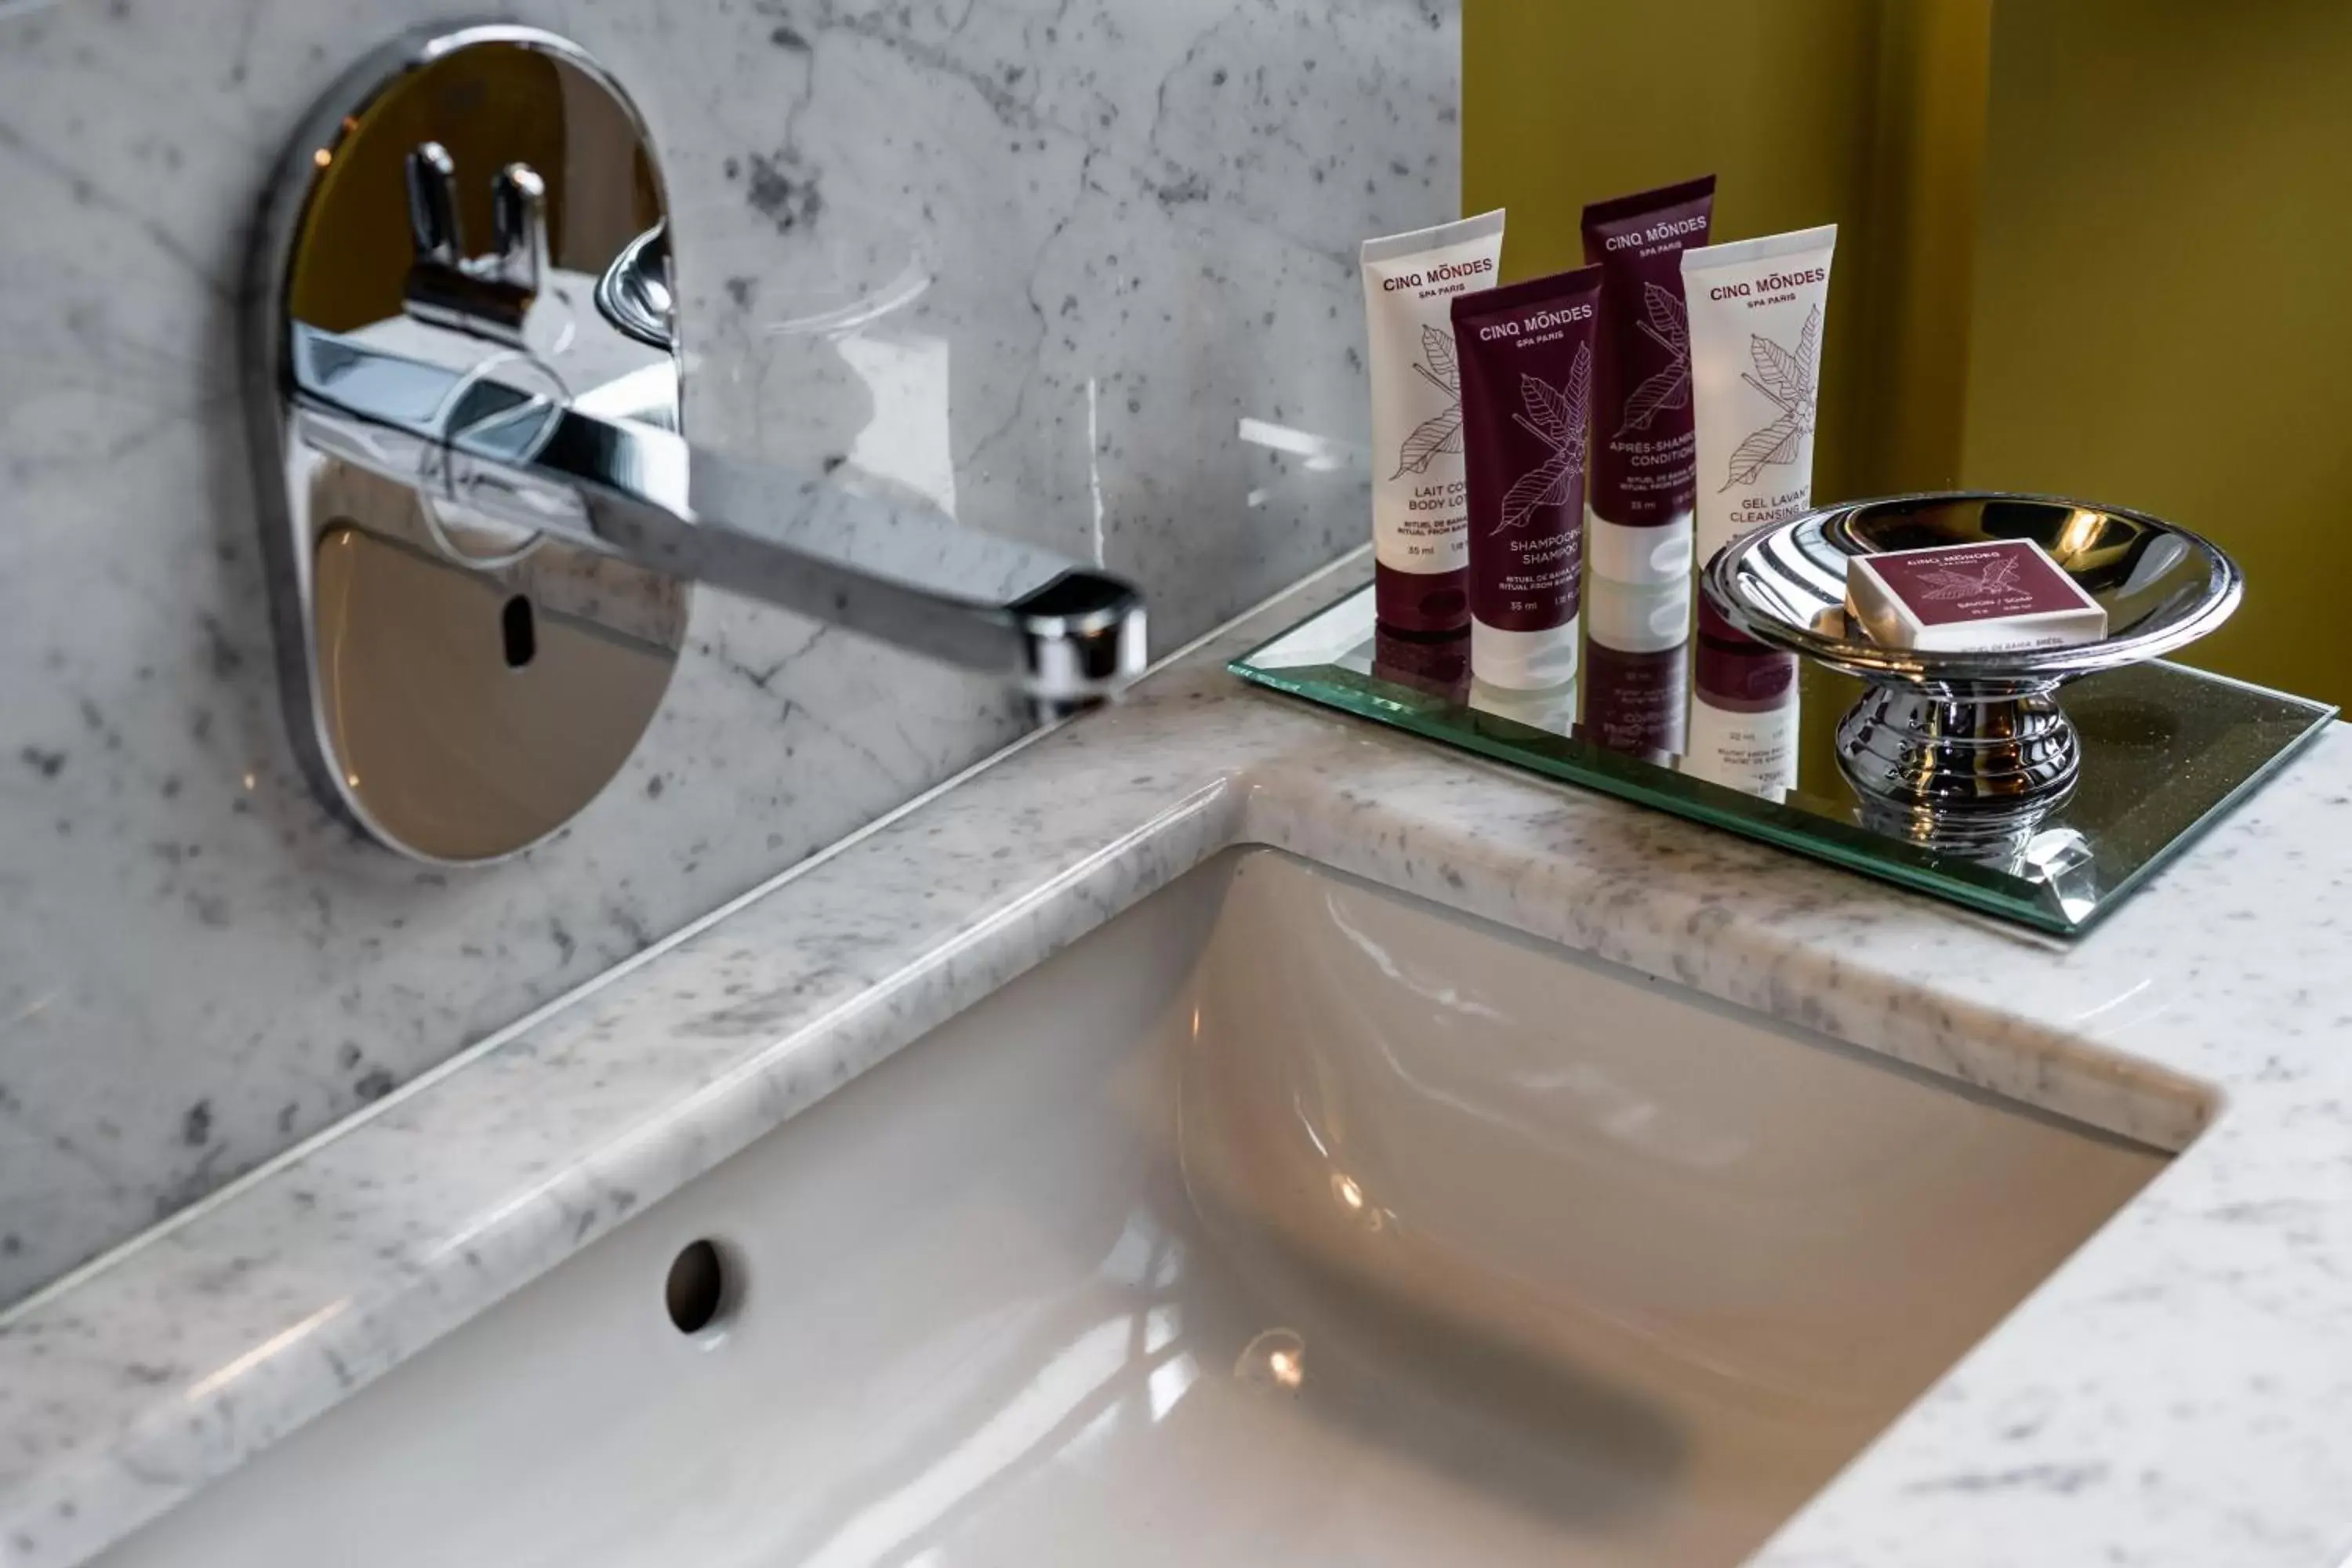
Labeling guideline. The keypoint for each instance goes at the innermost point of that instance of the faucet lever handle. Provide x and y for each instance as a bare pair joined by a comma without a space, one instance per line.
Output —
518,207
432,205
488,296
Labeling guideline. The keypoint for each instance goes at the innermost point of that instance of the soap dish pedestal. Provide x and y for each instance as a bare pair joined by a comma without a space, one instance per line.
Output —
1952,748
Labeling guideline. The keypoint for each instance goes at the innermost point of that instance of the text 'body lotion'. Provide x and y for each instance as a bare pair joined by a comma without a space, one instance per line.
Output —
1755,311
1420,497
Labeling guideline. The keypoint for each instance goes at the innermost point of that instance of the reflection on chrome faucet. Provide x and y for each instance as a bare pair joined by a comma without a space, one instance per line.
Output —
1276,1358
903,573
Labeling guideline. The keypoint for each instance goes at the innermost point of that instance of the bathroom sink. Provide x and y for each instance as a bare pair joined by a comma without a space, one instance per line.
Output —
1284,1218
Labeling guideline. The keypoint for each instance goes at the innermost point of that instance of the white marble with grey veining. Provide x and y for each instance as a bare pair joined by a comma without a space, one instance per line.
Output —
1035,259
2174,1395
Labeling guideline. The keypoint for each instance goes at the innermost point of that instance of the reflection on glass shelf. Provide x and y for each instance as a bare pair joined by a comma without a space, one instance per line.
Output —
1637,664
1744,705
1698,721
1553,709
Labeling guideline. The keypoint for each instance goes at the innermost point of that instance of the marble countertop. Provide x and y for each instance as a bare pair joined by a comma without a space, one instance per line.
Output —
2174,1395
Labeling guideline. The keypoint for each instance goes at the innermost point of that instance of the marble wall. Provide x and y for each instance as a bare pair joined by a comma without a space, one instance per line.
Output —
1082,270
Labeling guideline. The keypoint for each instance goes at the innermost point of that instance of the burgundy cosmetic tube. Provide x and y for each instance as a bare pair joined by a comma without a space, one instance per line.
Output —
1526,395
1645,457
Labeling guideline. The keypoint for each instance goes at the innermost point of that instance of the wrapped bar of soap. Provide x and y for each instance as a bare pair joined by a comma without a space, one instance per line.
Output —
2000,595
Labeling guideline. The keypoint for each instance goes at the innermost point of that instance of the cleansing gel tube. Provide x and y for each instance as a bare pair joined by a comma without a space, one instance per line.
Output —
1755,311
1527,402
1638,525
1420,503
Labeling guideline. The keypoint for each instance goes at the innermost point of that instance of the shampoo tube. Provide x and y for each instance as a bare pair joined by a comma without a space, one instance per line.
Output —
1419,500
1755,311
1638,529
1527,404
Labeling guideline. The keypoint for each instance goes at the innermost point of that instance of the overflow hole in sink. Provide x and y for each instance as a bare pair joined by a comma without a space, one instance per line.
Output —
518,632
701,1290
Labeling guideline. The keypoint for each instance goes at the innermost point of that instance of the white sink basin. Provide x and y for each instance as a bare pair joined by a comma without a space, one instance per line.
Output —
1284,1219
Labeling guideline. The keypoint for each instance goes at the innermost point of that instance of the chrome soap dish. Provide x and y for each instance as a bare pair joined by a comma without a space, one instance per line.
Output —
1946,746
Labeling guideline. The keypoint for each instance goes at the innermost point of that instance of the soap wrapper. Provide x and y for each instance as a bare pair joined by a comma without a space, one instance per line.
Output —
1997,595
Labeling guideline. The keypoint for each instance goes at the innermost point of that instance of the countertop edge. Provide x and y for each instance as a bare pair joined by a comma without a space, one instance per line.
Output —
282,1316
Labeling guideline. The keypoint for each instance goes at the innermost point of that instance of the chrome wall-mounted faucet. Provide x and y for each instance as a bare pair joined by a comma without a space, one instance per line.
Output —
480,512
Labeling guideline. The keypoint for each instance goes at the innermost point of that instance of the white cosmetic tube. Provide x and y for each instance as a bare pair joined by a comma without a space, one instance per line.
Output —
1756,310
1421,506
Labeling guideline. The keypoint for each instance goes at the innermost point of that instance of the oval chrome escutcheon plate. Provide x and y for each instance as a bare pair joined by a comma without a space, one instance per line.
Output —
459,688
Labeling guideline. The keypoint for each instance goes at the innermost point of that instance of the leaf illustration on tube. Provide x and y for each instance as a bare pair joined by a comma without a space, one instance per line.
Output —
1789,379
1580,396
1556,416
1669,318
1440,432
1775,365
1670,388
1668,326
1546,405
1545,485
1437,348
1776,443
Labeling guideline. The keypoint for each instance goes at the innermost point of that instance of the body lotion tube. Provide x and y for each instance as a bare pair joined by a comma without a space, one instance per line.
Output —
1527,404
1756,310
1638,525
1420,501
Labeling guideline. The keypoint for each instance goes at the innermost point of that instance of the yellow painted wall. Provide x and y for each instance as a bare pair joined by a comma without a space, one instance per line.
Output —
1570,101
2084,245
2160,304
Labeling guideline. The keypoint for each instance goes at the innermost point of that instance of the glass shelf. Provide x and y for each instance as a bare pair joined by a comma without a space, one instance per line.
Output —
1705,729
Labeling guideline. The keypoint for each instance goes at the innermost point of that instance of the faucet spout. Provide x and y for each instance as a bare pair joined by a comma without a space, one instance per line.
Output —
1064,633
